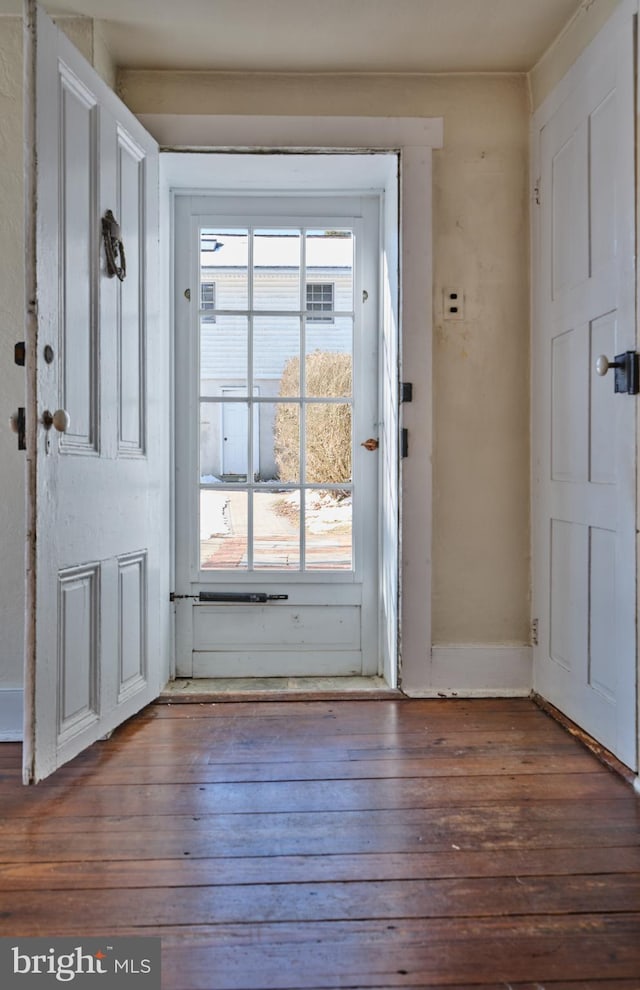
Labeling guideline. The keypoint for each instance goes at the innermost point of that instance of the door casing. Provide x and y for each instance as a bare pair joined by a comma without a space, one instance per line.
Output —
412,141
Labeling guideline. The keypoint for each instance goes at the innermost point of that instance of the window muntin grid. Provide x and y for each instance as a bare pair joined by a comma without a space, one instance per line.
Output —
267,511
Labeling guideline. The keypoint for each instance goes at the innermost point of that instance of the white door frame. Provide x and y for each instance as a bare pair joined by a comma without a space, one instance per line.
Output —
414,139
623,15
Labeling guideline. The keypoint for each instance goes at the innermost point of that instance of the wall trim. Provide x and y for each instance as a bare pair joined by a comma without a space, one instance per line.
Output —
477,671
246,132
11,714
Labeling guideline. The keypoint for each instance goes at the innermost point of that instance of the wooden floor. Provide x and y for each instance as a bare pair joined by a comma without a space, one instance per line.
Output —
319,844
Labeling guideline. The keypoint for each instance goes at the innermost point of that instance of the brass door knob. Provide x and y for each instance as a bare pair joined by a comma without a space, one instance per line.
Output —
370,444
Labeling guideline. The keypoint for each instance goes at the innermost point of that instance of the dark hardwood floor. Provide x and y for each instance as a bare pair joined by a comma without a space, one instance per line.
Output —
316,844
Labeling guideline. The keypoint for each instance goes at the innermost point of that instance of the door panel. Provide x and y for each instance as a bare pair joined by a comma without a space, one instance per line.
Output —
95,494
584,434
276,514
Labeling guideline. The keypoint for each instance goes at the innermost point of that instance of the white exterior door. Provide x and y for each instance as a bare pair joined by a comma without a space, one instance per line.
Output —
280,373
96,492
584,452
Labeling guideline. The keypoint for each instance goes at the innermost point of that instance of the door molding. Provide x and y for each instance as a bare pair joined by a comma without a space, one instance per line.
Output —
414,139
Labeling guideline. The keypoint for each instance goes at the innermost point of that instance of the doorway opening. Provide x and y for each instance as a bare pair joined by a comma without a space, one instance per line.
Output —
286,416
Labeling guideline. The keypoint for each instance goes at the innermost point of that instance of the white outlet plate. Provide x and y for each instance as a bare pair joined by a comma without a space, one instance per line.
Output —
453,303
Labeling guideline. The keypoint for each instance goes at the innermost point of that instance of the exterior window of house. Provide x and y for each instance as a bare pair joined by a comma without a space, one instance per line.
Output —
207,302
320,299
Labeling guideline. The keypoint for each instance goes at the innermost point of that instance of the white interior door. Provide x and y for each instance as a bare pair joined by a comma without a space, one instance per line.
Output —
96,493
283,362
584,433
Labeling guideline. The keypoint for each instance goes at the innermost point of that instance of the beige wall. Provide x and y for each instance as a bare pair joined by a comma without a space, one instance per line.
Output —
481,449
12,461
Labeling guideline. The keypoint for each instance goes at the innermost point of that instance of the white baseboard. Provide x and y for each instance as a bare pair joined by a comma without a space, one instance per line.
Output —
10,714
476,671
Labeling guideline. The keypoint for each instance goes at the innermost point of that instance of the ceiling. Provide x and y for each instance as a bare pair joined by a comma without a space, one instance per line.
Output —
325,35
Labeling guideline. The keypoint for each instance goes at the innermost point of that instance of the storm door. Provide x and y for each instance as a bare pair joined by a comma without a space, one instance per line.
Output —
277,445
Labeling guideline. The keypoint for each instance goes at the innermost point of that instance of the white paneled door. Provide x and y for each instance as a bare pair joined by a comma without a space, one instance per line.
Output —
584,431
95,492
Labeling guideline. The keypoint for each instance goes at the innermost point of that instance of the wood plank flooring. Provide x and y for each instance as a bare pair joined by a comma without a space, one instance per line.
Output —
324,844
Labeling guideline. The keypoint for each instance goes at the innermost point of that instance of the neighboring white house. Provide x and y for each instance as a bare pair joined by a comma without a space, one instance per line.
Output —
294,302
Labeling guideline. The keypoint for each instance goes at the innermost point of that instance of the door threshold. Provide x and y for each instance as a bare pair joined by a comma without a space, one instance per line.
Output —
219,689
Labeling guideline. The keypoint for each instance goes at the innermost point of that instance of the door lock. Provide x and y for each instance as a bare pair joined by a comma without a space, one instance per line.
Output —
627,373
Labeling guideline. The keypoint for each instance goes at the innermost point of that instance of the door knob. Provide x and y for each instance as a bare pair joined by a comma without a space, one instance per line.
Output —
60,420
370,444
603,364
627,371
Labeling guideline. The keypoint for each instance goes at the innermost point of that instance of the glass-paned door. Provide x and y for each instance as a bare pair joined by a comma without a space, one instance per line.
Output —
277,384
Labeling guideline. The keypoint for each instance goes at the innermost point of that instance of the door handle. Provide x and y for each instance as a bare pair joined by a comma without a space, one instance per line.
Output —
60,420
627,372
370,444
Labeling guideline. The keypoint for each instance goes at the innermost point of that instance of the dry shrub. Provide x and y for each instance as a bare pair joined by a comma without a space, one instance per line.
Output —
328,447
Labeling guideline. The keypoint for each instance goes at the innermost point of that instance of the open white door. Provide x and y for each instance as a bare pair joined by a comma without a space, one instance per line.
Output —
95,490
584,432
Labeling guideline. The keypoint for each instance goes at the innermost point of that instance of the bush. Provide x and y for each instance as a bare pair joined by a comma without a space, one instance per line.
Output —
328,446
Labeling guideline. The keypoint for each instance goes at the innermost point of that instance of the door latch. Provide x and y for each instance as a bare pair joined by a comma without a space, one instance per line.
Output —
626,369
18,422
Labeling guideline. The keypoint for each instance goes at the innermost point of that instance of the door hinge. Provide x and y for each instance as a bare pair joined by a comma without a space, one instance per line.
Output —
537,197
406,392
534,632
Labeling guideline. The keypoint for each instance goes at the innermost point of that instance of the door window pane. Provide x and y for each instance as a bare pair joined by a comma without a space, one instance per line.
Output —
224,262
328,443
276,269
276,355
328,368
276,530
224,350
329,262
224,442
279,443
223,530
328,531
